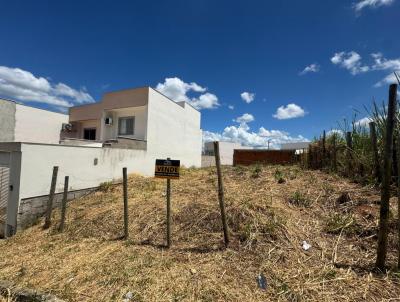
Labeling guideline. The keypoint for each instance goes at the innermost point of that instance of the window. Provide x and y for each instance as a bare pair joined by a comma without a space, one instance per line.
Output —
126,125
89,134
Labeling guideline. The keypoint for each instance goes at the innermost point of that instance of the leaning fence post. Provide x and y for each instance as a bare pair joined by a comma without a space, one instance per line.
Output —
221,193
125,185
374,142
349,143
386,178
47,221
64,204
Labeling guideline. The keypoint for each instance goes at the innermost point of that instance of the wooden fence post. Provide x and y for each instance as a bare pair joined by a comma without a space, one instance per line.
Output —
125,185
398,205
386,179
324,159
334,158
349,142
47,221
168,213
64,204
221,193
374,142
394,159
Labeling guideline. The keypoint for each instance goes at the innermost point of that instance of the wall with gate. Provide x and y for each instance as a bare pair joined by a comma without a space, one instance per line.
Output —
249,157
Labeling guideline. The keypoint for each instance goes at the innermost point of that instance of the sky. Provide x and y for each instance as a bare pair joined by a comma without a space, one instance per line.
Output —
258,71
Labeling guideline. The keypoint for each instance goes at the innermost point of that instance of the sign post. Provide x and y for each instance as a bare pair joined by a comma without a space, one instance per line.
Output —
168,169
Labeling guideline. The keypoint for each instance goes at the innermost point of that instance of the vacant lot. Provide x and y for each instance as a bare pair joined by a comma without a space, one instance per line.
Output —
271,211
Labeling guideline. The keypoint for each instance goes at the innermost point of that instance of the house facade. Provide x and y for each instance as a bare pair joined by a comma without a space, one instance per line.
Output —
21,123
129,128
142,119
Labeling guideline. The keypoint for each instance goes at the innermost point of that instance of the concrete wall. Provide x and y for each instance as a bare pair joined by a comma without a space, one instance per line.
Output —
207,161
7,120
78,163
37,125
32,164
173,130
225,151
31,209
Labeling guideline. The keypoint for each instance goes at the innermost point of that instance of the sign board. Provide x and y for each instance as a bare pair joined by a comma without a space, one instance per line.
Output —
167,168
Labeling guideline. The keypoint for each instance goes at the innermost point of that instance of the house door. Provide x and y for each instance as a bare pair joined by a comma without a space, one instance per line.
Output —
4,191
89,134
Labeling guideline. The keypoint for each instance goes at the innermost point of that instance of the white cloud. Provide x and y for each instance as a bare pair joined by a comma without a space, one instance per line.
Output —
334,131
289,111
248,97
245,118
231,107
350,61
390,79
22,85
381,63
371,3
310,68
205,101
178,90
242,134
363,122
260,139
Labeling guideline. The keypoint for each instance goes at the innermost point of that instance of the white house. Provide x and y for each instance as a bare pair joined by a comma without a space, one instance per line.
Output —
225,152
129,128
21,123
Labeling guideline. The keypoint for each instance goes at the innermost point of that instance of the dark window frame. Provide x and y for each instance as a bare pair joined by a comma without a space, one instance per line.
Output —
91,134
125,118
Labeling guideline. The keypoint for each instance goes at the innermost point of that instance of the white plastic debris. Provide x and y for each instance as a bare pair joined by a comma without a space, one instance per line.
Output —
306,246
128,297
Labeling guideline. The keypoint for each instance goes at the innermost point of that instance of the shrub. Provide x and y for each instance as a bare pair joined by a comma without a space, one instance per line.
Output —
256,170
298,199
105,186
279,176
337,222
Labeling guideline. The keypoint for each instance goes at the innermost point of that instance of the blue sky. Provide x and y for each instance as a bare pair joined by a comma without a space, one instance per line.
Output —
55,54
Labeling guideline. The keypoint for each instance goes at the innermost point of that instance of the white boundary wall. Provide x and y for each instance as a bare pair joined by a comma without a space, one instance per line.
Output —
32,165
79,164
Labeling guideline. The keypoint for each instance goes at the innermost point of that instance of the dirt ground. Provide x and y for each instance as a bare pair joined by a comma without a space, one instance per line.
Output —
271,211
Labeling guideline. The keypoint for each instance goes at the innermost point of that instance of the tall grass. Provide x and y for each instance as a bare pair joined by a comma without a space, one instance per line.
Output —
361,154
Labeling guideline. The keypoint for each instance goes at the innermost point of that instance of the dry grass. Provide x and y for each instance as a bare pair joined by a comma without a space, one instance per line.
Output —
88,263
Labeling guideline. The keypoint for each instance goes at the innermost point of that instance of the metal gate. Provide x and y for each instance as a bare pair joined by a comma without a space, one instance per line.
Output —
4,190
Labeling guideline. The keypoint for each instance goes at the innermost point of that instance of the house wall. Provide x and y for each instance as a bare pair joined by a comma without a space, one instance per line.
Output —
7,120
37,125
113,104
173,130
140,127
